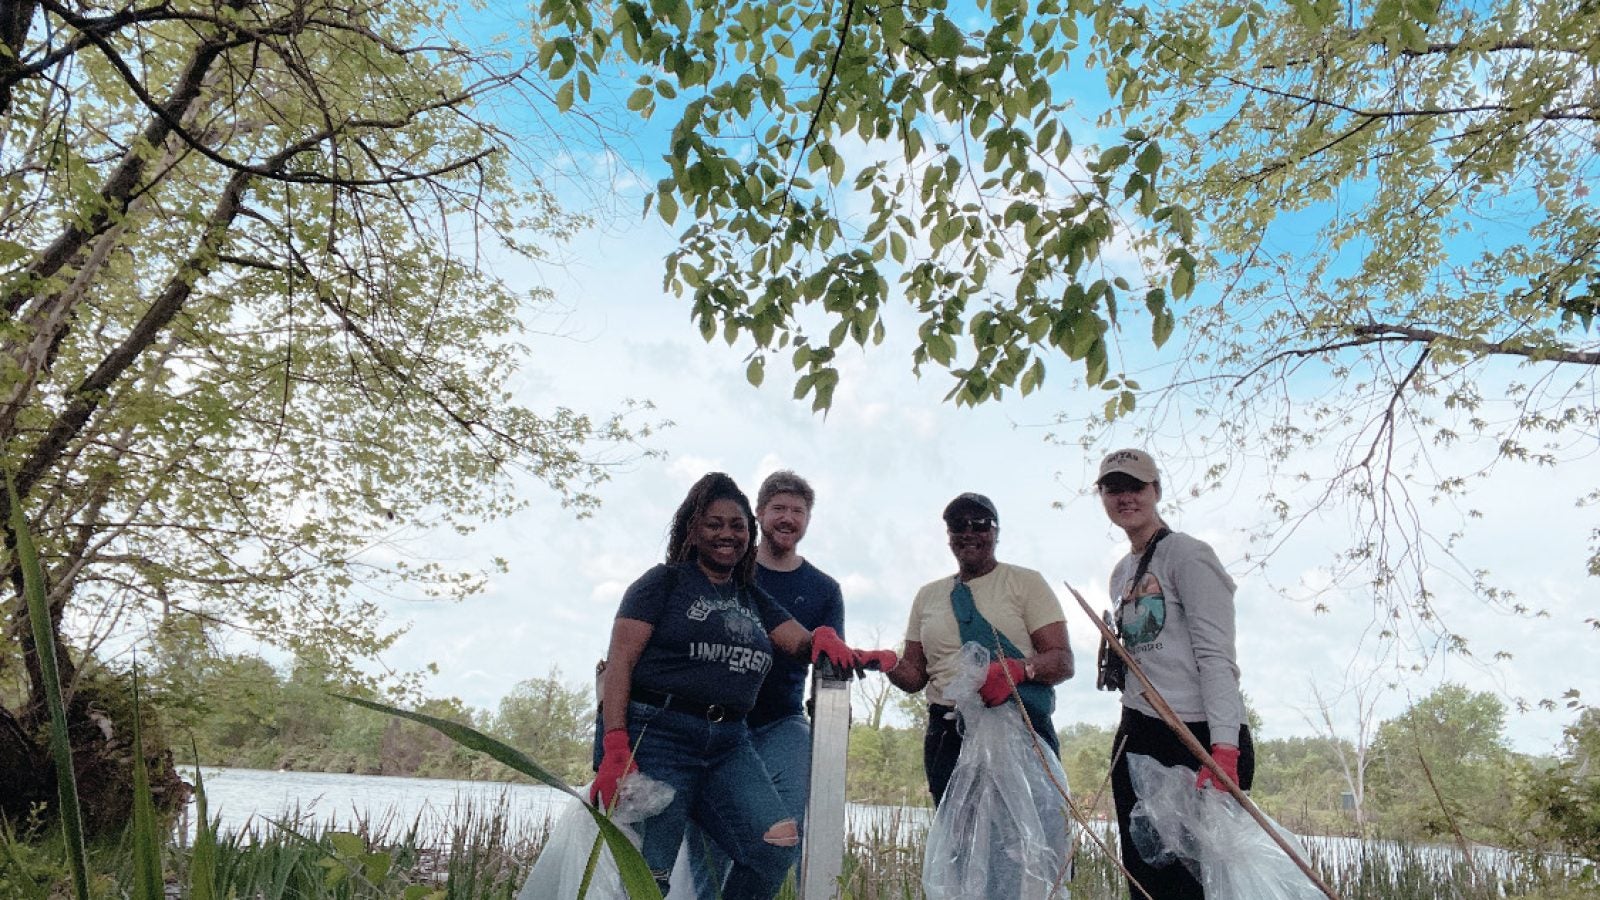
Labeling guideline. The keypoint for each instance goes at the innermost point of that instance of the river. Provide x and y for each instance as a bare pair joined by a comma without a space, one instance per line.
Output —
258,800
247,800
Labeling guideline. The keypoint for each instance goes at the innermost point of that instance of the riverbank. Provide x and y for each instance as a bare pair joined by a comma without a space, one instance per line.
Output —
435,826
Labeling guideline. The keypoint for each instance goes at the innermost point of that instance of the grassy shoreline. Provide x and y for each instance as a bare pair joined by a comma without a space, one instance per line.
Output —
483,858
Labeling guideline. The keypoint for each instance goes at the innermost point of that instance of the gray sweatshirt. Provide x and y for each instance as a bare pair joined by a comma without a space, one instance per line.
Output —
1180,627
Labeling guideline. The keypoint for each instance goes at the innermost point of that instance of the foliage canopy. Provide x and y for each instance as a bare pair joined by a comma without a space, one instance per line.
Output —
1403,253
250,337
1388,205
834,158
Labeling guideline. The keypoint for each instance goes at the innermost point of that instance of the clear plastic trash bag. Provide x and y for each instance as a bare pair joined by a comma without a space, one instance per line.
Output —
1212,835
1003,830
558,871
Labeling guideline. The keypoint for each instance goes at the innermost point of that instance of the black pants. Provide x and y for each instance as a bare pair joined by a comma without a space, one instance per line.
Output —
1151,737
941,746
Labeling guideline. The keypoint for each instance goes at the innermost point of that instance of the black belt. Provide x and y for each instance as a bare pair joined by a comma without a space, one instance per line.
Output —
712,712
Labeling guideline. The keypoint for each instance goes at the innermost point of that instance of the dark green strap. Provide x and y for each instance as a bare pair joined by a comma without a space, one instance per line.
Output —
1038,699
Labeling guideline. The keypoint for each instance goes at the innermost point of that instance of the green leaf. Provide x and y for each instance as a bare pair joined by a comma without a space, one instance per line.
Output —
203,858
347,844
636,877
1149,158
1032,378
147,837
1094,361
756,371
375,867
11,251
33,588
1112,157
564,96
947,38
1161,327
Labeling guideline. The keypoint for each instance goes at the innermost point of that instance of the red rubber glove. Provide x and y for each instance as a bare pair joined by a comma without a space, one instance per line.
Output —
882,660
1002,675
615,764
825,642
1227,757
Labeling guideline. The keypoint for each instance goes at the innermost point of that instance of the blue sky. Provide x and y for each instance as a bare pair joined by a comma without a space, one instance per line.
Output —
884,461
886,458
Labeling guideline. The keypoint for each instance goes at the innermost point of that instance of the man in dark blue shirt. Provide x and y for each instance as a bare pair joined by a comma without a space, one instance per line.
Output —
778,725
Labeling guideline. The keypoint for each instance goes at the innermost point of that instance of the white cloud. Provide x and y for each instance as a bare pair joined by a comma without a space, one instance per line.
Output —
884,462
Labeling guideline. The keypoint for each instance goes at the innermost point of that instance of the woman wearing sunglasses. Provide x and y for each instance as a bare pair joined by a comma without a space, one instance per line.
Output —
691,643
1175,615
1007,608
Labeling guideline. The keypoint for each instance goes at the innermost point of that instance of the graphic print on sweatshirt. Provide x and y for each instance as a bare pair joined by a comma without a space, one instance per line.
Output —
742,629
1146,615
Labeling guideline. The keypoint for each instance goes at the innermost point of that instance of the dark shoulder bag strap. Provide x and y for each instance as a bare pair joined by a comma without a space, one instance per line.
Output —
1110,670
1140,570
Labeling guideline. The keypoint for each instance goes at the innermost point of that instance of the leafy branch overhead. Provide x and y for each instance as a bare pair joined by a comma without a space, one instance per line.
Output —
1401,229
829,158
252,346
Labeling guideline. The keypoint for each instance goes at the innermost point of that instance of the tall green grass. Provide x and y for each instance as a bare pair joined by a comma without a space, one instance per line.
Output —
44,644
482,857
636,877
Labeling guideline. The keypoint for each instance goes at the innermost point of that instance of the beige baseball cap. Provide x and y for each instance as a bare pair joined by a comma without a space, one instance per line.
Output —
1133,463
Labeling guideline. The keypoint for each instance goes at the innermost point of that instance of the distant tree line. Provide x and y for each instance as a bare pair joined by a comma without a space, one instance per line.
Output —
1440,769
241,711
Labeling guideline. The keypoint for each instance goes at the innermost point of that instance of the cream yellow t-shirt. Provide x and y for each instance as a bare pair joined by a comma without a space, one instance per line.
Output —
1015,600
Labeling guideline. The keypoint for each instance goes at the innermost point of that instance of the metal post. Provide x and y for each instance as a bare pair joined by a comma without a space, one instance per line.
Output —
822,855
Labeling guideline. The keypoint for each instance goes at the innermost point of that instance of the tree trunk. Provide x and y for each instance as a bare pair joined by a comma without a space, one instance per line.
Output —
100,723
21,765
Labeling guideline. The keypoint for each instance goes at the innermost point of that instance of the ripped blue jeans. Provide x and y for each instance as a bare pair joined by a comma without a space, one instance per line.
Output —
722,786
784,746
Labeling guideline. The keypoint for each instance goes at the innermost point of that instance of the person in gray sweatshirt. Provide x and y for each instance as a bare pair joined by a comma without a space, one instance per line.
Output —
1175,614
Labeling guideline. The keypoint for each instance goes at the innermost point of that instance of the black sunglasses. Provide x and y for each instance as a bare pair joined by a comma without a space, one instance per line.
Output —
976,526
1122,485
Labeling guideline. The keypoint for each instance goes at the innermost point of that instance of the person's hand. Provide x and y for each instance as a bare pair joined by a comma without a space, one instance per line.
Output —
882,660
826,643
1227,757
615,764
1003,674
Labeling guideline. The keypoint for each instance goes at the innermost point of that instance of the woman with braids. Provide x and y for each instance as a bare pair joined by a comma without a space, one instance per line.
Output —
692,641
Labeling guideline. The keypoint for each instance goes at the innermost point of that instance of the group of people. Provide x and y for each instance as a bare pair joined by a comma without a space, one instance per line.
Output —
704,681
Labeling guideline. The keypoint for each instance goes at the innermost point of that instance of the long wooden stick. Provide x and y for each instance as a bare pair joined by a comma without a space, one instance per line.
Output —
1159,704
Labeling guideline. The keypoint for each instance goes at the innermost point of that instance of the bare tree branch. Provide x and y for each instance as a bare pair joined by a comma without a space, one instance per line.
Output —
1391,332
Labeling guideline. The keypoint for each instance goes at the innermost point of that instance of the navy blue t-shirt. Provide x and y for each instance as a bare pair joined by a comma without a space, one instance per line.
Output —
814,600
710,643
